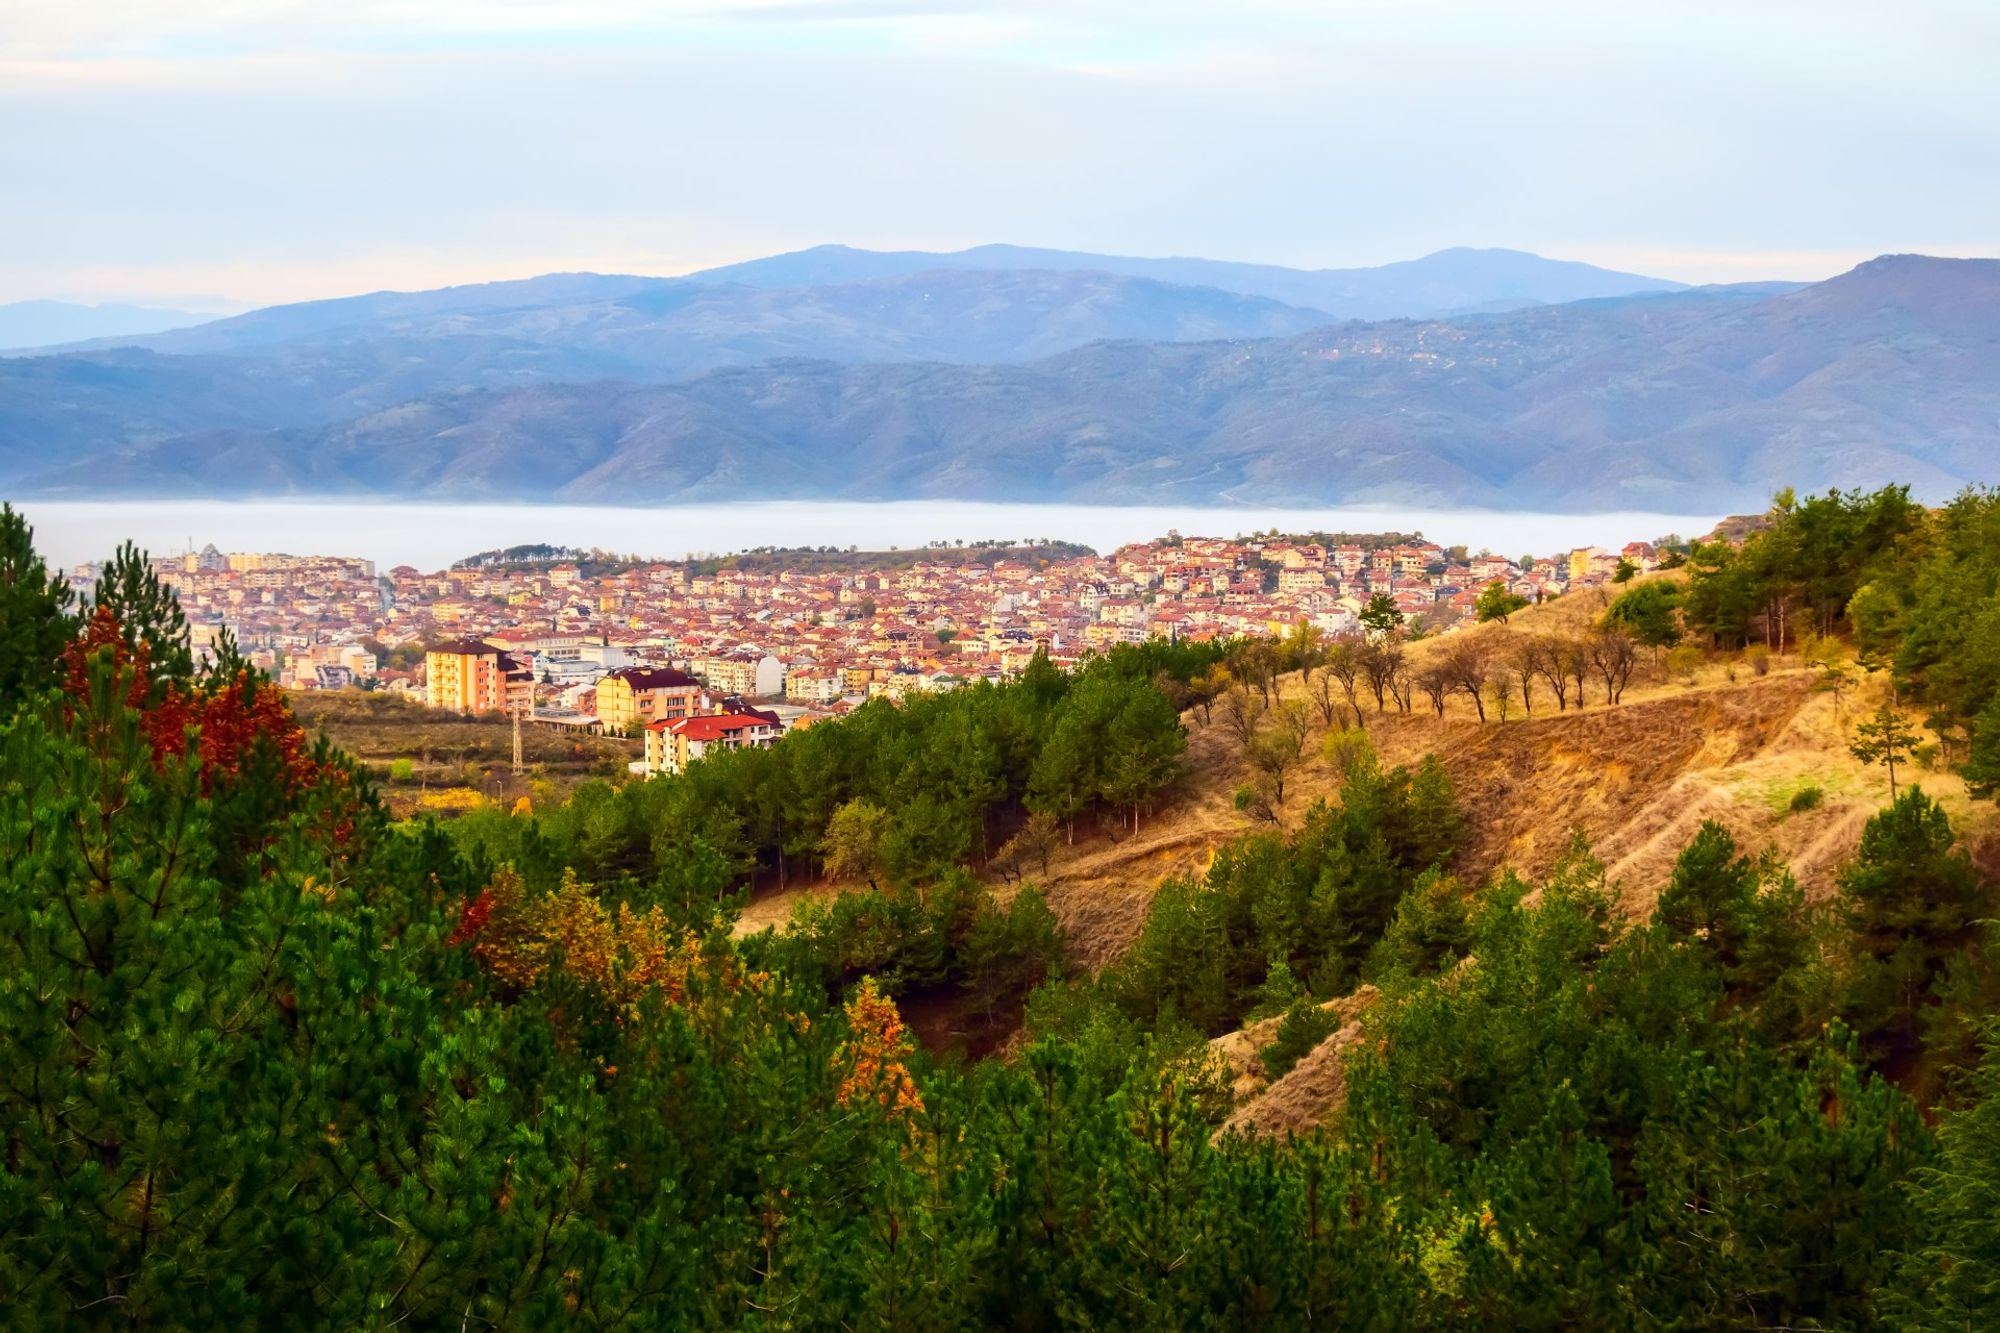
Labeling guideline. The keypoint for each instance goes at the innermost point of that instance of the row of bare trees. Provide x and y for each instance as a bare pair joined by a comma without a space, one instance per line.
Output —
1490,670
1343,676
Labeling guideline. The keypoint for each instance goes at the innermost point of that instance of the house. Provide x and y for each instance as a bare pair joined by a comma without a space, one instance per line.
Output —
1297,580
639,696
671,745
729,673
815,685
472,676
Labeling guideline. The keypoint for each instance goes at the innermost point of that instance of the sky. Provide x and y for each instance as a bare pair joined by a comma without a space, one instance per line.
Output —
235,152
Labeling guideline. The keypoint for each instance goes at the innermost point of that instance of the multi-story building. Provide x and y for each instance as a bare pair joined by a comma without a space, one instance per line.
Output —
814,685
640,696
671,745
471,676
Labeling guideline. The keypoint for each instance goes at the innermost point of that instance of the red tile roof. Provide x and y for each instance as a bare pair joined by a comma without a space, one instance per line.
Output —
710,727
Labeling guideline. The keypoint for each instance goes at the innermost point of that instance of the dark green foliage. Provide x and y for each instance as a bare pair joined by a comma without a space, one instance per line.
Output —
1650,613
952,935
1581,1132
1951,1279
1304,1026
1809,560
147,613
1431,930
1380,617
952,773
35,614
1316,902
1912,901
1497,602
1982,764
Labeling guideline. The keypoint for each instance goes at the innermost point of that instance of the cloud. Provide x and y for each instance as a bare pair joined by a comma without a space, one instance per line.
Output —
279,150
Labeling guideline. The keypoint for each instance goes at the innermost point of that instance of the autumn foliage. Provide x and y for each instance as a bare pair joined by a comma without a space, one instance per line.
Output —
873,1055
229,720
619,953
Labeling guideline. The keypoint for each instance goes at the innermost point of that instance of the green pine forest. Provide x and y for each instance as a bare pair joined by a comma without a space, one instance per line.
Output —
273,1059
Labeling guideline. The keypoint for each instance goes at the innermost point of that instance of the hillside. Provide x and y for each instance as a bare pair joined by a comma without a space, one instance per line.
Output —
1691,401
1636,780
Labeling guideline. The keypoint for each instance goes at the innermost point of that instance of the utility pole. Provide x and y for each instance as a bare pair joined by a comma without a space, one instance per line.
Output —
517,742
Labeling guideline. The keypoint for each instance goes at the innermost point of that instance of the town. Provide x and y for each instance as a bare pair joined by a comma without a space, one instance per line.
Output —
692,655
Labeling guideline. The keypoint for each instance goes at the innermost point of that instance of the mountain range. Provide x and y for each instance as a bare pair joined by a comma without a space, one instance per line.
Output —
27,324
1002,373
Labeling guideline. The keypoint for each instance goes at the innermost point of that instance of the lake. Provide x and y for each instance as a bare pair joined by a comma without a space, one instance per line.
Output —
431,536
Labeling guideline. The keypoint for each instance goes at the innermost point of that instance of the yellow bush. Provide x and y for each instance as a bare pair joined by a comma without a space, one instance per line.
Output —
451,798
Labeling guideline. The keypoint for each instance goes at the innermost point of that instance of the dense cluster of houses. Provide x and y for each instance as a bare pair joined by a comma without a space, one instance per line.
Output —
683,656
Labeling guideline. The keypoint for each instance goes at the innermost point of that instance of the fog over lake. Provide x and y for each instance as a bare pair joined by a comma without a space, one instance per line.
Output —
431,536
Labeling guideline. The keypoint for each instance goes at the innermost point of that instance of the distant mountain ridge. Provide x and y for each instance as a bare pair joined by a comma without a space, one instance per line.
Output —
1696,400
585,326
26,324
1453,281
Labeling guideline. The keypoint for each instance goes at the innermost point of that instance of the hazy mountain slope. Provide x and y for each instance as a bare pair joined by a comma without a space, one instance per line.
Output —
43,323
1450,281
664,329
1692,402
349,315
59,411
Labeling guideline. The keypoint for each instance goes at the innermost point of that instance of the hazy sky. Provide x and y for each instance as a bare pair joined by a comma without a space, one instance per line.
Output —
265,150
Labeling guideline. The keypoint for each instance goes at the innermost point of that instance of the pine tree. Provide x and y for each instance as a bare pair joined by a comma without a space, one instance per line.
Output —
1912,899
1884,739
36,621
1951,1278
146,612
1380,618
1497,602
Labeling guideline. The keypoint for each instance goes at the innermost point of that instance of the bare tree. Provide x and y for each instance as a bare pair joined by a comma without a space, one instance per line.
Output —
1344,662
1034,841
1436,682
1241,711
1302,649
1207,685
1280,748
1402,685
1378,664
1323,692
1575,657
1614,654
1524,657
1503,691
1255,662
1468,663
1546,656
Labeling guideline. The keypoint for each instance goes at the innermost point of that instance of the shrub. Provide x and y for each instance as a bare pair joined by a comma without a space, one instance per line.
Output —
452,799
1347,749
402,770
1684,661
1809,797
1304,1026
1758,658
